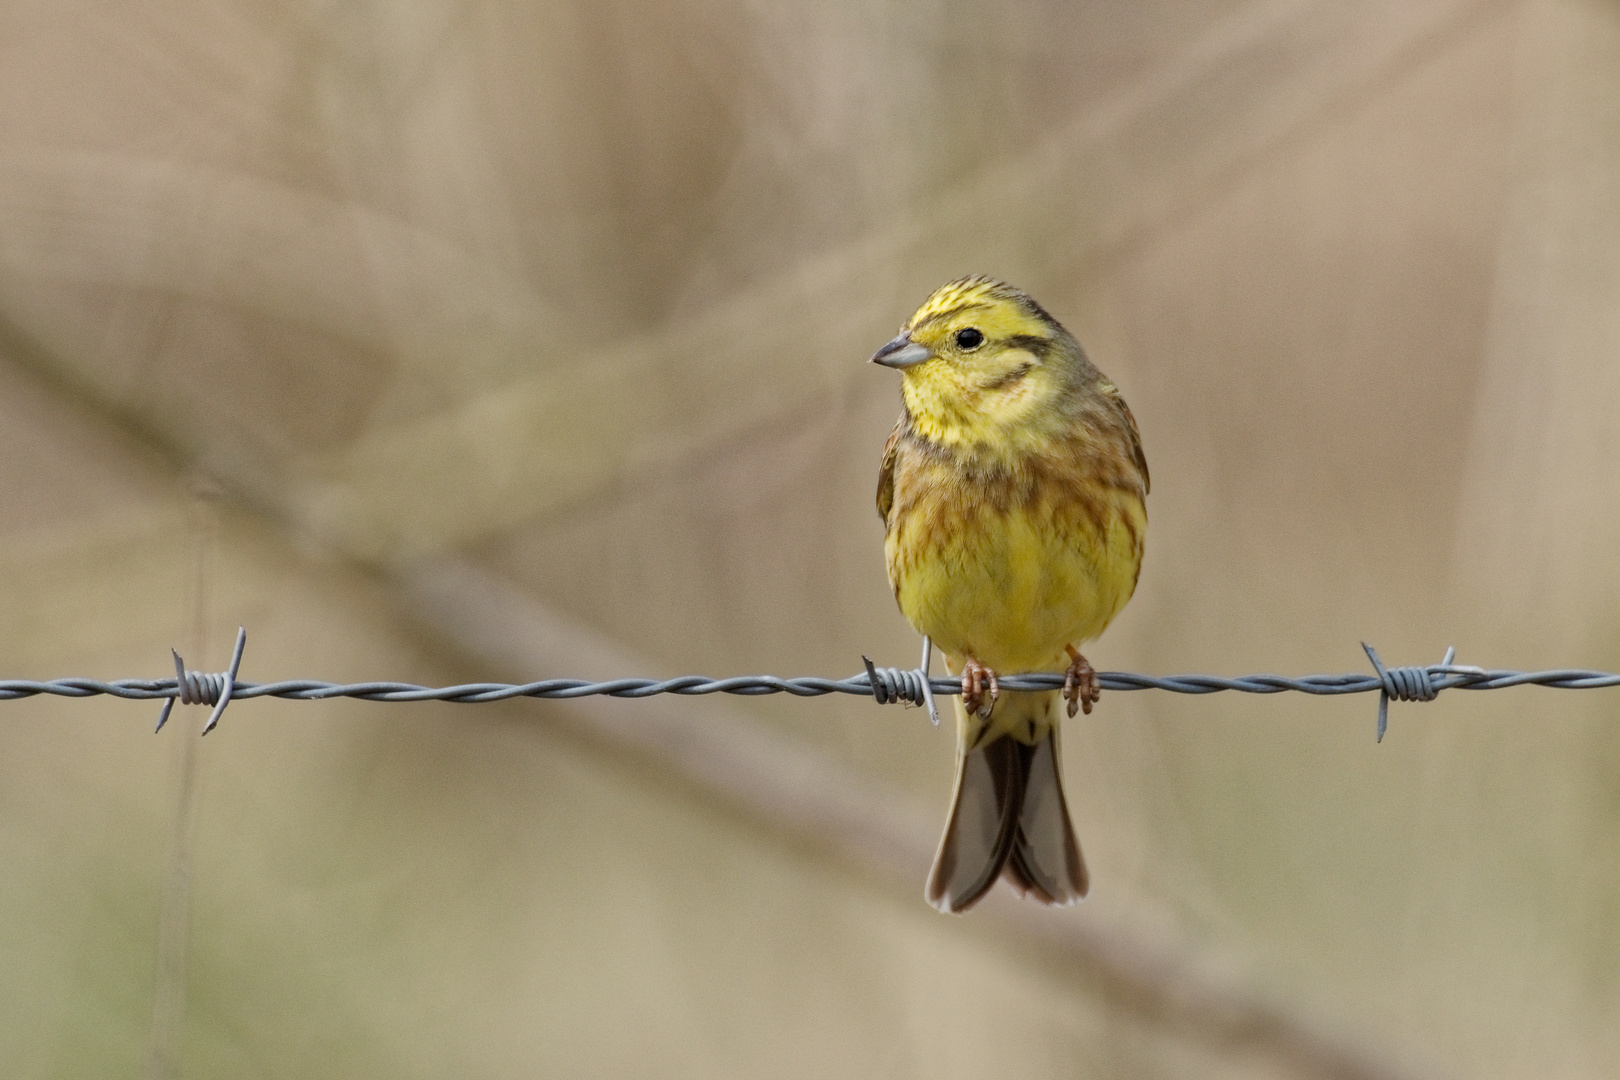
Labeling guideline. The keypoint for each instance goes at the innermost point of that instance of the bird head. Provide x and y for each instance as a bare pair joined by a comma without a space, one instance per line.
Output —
980,362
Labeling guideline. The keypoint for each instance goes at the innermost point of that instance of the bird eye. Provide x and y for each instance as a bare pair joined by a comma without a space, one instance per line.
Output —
969,338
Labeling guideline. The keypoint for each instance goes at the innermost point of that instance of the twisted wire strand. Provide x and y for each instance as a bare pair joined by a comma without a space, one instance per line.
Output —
887,685
1440,677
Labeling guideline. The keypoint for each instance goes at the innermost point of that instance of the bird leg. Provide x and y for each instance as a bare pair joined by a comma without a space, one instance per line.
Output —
1080,687
976,678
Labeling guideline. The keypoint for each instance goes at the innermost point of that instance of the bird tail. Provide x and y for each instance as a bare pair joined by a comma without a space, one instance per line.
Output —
1009,817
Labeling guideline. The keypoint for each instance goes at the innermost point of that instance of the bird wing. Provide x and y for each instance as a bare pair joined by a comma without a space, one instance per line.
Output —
1113,395
885,488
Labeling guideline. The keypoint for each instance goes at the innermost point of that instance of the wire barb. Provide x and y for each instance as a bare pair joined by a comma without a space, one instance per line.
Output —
893,684
1406,683
928,691
204,688
907,687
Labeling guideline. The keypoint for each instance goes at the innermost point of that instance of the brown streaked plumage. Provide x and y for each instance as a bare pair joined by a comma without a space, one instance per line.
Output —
1012,494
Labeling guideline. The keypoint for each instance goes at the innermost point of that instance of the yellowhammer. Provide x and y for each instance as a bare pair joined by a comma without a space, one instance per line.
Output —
1011,493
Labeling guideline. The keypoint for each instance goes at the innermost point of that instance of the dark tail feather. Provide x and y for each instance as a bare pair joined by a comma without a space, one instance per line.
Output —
1009,818
1045,861
982,828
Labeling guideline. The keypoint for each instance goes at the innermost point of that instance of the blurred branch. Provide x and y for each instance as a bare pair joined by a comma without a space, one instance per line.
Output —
811,795
406,487
788,786
402,491
584,423
806,794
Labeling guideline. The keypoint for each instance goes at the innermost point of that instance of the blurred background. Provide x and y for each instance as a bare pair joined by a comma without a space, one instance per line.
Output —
468,340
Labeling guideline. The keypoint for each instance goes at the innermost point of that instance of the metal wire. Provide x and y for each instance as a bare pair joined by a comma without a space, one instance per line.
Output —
885,685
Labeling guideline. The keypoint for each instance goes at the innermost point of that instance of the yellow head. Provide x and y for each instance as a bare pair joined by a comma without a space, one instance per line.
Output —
983,365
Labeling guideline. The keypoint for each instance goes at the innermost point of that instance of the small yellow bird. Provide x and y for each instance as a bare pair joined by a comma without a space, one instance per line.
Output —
1012,495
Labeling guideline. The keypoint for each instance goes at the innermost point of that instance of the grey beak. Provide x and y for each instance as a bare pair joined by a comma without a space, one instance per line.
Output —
902,352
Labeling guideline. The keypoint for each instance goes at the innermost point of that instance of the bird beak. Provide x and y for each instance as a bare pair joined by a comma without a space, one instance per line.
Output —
902,352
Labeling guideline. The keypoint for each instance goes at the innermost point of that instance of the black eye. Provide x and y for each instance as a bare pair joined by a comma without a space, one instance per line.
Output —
969,338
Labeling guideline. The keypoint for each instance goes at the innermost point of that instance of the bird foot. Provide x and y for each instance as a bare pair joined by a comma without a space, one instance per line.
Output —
1080,687
976,680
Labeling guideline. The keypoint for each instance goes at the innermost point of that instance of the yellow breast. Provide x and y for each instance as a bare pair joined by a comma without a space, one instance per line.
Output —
1010,572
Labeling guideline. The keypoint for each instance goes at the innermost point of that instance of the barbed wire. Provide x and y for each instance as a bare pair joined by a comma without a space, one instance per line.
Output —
912,686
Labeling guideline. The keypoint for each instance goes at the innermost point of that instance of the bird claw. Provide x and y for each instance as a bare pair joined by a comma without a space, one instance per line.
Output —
976,679
1080,686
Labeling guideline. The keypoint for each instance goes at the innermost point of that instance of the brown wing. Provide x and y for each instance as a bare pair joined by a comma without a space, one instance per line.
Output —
885,489
1135,435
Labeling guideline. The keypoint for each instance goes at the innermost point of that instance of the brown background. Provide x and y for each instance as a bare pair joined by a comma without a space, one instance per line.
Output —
450,341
